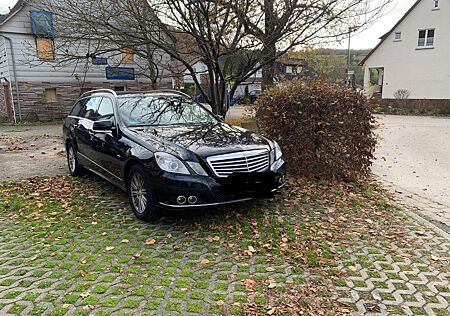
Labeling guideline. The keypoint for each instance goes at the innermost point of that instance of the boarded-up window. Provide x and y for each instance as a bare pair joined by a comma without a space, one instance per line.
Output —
50,95
127,56
44,48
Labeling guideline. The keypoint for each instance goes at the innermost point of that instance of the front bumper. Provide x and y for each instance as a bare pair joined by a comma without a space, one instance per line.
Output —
210,192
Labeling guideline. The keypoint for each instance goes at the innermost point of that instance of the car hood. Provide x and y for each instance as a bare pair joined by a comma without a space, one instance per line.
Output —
205,140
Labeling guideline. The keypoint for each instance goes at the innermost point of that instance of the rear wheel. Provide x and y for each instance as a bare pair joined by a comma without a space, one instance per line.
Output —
140,194
75,168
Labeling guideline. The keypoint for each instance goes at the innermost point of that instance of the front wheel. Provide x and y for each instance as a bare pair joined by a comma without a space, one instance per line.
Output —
141,195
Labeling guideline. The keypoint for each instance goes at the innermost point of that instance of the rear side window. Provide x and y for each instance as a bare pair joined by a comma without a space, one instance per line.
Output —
76,110
90,107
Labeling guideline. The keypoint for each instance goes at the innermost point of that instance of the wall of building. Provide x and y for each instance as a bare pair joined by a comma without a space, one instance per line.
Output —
4,66
437,106
69,78
424,72
36,106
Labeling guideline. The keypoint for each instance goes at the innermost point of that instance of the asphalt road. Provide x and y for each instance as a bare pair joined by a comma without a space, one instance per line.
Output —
413,157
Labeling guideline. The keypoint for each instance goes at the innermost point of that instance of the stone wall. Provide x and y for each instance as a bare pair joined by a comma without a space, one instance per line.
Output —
439,106
35,107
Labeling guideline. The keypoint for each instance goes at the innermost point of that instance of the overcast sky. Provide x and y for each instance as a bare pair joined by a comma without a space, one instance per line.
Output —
366,39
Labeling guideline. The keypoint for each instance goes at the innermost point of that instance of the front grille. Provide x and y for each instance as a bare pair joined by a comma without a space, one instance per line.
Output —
244,161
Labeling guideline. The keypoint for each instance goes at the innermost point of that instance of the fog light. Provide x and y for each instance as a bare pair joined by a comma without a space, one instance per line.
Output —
181,199
192,199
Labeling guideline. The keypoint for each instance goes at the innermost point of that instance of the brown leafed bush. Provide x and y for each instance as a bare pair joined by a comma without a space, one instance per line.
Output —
325,131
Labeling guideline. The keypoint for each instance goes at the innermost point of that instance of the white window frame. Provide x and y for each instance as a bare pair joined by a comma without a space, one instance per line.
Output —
399,37
425,43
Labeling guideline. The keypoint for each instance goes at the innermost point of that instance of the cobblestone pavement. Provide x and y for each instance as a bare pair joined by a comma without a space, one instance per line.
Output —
85,254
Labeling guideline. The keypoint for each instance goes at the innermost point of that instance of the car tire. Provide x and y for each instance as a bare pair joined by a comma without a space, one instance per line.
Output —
140,194
74,166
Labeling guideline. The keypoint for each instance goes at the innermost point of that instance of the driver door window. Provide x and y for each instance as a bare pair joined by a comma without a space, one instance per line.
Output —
105,110
89,109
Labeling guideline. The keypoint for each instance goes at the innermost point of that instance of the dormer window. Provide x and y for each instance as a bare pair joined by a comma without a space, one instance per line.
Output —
435,4
397,36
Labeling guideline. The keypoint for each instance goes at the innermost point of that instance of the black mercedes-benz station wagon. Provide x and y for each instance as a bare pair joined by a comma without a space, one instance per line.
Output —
168,151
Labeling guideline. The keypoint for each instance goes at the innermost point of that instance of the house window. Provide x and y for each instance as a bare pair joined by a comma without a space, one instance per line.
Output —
127,56
44,47
426,38
50,95
435,4
397,36
41,24
289,70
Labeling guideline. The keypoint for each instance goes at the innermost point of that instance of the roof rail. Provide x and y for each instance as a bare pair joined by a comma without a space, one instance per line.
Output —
173,91
133,92
98,90
153,92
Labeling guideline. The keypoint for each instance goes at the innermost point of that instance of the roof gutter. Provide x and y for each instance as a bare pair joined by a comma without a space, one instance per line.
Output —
16,82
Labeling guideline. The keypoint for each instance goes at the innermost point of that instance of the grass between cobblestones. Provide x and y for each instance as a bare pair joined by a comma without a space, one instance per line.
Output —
72,246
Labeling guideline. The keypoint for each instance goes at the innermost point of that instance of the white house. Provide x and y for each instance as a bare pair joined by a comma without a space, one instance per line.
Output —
42,88
414,55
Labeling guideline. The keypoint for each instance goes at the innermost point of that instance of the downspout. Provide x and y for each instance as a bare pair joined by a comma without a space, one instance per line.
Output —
15,76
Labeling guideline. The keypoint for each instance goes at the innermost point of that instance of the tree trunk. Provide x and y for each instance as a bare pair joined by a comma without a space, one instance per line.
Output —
269,50
268,69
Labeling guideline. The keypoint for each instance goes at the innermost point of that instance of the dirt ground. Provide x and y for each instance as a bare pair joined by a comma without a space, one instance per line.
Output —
413,158
27,151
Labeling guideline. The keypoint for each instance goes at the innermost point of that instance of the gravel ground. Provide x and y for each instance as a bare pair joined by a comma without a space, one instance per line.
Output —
27,151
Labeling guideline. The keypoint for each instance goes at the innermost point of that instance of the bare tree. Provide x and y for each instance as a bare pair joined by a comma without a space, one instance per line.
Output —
281,25
234,38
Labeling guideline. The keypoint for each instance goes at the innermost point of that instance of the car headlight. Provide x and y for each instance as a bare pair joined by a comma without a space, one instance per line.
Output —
278,152
170,163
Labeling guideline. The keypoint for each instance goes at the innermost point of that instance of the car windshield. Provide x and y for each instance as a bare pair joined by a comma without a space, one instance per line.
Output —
155,110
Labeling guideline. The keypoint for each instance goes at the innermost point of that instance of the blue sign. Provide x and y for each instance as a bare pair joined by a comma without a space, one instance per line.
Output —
99,60
120,73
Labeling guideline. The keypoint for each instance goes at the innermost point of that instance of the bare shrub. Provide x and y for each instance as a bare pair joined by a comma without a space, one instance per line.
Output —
402,94
325,131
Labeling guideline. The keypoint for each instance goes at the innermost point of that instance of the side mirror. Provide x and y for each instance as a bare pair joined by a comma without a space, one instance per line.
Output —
106,125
